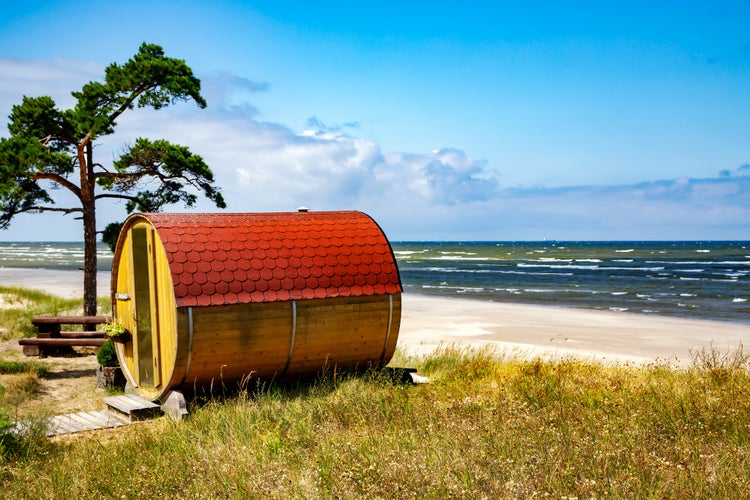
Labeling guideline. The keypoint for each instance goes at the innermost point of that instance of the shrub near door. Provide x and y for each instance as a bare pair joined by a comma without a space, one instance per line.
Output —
108,372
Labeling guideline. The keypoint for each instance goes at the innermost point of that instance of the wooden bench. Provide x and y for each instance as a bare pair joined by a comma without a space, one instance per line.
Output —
51,339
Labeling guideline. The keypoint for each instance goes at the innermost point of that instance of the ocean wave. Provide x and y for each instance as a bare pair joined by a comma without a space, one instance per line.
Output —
456,258
526,273
552,266
457,289
738,299
680,262
590,268
408,253
452,270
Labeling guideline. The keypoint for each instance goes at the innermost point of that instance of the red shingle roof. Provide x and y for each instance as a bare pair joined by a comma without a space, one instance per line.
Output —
237,258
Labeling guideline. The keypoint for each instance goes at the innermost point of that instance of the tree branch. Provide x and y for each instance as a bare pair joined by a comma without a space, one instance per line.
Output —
106,174
116,196
50,138
59,179
37,208
125,105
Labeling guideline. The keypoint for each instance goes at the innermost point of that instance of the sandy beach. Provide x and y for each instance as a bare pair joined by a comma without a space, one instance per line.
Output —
513,329
547,331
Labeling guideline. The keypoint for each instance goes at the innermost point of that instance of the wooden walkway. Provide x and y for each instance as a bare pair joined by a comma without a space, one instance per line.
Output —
123,410
76,422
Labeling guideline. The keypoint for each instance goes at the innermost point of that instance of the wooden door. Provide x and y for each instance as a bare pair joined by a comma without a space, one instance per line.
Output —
146,308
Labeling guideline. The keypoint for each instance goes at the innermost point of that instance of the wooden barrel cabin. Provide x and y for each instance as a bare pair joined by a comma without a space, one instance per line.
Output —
218,297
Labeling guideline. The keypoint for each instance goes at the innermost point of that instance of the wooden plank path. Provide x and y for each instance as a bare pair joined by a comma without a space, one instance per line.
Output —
85,421
76,422
123,410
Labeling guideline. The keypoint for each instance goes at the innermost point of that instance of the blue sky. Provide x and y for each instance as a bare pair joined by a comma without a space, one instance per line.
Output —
442,120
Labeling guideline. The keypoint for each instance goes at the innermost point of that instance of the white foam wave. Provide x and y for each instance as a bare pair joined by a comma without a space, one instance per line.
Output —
457,258
738,299
552,266
585,267
408,253
734,276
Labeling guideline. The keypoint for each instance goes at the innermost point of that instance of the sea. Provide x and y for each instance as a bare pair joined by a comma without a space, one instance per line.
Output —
689,279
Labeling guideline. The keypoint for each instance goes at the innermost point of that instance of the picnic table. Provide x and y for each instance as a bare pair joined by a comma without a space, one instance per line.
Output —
51,338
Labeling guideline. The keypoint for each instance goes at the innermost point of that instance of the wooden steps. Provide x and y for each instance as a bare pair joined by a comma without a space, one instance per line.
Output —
133,407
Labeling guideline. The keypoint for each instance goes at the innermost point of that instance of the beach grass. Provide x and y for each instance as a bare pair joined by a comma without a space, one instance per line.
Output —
484,427
19,305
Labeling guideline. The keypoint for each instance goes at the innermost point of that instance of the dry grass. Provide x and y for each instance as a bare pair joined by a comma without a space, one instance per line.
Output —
483,428
19,305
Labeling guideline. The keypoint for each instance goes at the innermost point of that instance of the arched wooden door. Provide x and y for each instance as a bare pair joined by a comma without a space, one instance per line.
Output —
145,305
144,302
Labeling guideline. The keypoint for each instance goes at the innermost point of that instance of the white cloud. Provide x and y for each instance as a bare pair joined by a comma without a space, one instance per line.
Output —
441,194
55,78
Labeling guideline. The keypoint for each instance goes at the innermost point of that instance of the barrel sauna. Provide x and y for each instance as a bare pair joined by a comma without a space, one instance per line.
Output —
214,298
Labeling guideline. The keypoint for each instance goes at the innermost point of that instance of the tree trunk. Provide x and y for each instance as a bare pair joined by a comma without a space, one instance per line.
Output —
88,203
89,261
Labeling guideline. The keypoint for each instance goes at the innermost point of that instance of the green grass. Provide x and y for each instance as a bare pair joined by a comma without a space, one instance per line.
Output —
25,380
484,427
10,367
